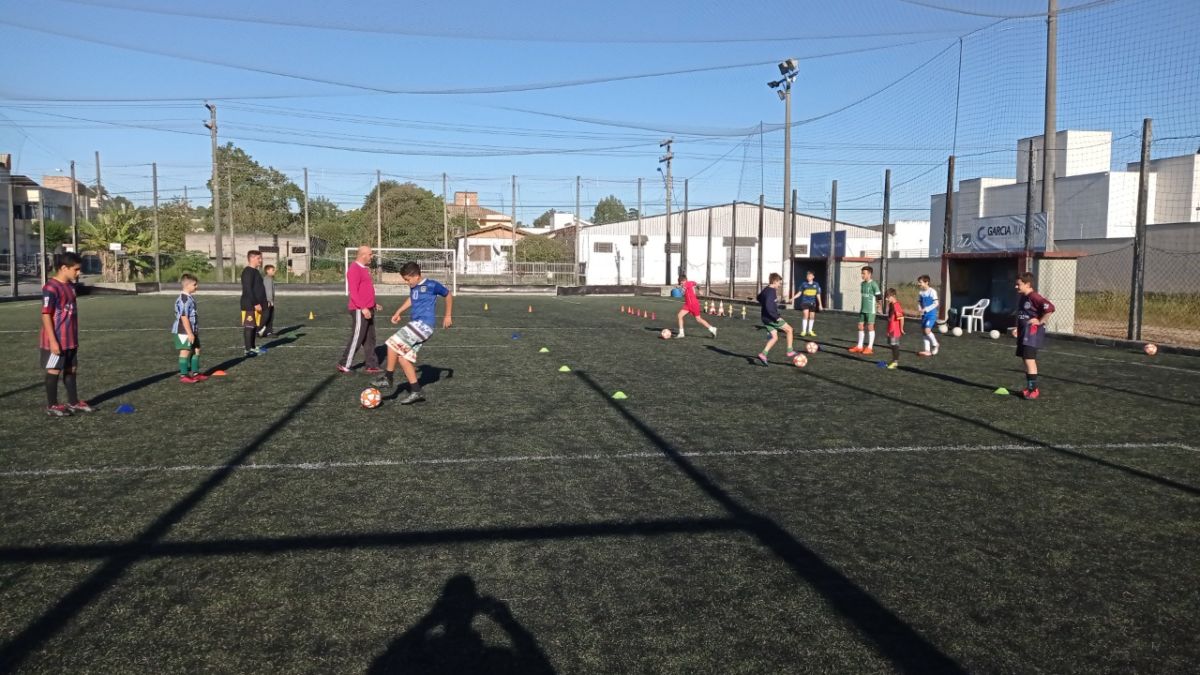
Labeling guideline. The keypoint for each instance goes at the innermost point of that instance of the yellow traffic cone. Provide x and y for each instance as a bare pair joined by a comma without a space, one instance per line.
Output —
485,307
743,311
310,316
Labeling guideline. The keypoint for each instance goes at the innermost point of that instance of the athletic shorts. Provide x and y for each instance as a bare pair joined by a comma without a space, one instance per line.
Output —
929,321
66,360
408,340
251,318
1027,352
808,306
181,342
866,317
694,310
775,325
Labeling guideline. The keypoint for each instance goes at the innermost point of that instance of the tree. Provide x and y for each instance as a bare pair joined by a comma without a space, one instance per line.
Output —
264,199
175,220
546,220
412,216
609,210
127,228
57,234
537,248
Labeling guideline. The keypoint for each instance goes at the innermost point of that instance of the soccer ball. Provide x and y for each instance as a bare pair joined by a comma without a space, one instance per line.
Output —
811,347
800,361
943,328
665,334
1150,349
995,334
956,332
370,398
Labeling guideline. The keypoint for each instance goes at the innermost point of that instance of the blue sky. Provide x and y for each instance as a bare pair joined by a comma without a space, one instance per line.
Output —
109,75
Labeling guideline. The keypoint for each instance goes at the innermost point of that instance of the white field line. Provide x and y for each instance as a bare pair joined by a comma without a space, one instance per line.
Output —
531,459
1059,352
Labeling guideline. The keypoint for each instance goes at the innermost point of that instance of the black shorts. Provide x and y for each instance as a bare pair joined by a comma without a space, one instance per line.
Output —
1027,352
66,360
810,307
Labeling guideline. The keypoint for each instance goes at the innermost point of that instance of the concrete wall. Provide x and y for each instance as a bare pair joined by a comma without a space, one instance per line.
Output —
1056,278
205,242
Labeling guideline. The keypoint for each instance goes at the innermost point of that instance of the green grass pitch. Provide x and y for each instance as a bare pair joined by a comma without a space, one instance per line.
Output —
724,518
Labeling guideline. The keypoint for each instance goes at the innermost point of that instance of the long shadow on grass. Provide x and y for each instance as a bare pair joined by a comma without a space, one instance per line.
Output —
20,390
907,649
917,371
426,375
446,641
131,387
1119,390
1191,489
50,623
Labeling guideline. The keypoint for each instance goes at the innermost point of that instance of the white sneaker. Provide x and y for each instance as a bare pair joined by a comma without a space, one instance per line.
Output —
679,335
934,351
713,330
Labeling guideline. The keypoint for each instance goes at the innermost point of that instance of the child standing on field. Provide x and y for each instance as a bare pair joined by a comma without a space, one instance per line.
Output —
1030,331
866,312
810,302
186,330
691,305
895,328
927,298
768,301
268,327
59,340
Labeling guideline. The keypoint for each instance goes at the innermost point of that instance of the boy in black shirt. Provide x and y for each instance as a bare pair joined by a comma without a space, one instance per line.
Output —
254,299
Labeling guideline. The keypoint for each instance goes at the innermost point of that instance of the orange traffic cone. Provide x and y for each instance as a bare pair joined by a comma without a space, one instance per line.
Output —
622,309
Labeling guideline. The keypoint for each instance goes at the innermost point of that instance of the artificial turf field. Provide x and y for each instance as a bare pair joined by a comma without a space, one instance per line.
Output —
724,518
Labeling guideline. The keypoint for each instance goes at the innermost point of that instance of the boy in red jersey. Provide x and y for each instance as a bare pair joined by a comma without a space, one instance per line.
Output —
895,325
60,336
1032,310
691,305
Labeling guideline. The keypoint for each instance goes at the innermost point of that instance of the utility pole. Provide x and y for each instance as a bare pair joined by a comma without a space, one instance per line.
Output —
11,217
307,239
578,227
513,250
74,211
887,216
218,247
947,242
639,248
683,240
1136,289
830,278
41,218
732,268
378,222
762,204
708,256
666,159
99,186
232,235
187,205
154,186
445,215
789,261
788,71
1028,267
1049,130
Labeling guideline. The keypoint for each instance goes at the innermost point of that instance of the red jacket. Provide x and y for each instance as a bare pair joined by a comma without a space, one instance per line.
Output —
362,289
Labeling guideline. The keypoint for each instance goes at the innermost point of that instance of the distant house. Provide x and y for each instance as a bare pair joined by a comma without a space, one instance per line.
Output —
488,249
277,249
467,204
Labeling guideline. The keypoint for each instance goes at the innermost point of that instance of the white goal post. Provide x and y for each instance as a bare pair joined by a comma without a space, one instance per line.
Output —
436,263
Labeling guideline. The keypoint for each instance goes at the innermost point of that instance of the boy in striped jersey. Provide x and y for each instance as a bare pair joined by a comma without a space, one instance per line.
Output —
59,341
186,330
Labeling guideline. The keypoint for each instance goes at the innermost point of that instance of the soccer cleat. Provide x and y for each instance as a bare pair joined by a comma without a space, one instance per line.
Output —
57,411
792,354
924,353
934,352
679,335
250,353
381,383
894,365
373,371
199,377
713,330
342,369
762,358
855,350
413,397
869,351
187,379
80,407
1031,394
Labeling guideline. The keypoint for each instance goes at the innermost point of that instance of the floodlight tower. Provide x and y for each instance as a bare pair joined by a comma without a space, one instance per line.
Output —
788,71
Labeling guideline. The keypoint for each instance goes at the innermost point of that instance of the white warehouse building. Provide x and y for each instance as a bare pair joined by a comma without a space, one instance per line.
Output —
718,239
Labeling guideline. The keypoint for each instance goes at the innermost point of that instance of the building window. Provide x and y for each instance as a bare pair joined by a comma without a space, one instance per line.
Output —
479,253
602,247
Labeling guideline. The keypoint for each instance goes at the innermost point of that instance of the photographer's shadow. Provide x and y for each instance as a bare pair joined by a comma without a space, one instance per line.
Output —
445,640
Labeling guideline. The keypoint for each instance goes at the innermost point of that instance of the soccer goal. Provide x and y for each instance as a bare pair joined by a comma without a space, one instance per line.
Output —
436,263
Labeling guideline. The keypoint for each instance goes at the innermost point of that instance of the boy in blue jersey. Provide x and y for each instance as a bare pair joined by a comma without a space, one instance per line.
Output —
404,345
186,330
810,303
768,301
927,299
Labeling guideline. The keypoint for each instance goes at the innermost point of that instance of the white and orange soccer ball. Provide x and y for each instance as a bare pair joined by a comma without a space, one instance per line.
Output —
370,398
1150,349
665,334
800,361
812,347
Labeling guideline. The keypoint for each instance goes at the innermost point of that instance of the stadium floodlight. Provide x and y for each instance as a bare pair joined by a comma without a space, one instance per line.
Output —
789,69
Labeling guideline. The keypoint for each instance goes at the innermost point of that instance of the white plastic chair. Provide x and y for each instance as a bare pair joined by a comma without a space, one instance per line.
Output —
972,314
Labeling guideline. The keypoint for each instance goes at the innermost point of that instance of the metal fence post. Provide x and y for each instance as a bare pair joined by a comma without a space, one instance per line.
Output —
947,244
1137,287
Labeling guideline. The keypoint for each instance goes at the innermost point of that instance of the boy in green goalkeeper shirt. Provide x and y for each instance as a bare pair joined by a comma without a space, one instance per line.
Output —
866,313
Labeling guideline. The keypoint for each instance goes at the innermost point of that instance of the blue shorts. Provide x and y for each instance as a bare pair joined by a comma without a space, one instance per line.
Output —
929,320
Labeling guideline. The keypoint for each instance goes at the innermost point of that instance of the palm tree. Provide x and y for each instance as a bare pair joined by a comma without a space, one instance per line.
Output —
127,228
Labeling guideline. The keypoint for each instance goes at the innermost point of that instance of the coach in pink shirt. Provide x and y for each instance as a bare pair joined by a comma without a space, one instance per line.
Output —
362,309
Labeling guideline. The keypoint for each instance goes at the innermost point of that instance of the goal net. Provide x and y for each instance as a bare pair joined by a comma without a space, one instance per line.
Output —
436,263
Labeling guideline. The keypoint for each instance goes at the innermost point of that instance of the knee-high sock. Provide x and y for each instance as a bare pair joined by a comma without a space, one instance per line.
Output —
195,362
69,383
248,337
51,389
871,339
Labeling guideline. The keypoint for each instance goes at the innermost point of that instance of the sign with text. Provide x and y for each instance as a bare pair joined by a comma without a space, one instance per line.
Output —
999,233
819,245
